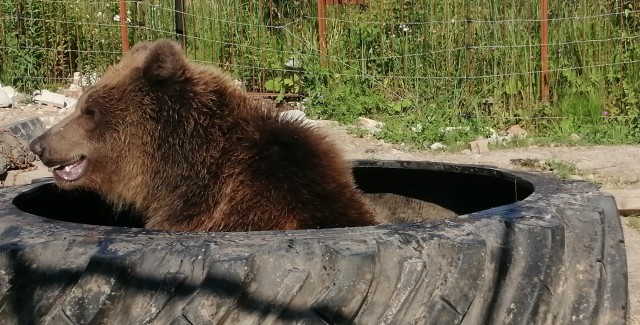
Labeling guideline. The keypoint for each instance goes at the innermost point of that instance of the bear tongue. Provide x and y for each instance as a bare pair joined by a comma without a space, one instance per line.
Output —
71,172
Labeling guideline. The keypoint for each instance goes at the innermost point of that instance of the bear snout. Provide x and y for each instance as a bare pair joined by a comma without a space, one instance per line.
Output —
36,146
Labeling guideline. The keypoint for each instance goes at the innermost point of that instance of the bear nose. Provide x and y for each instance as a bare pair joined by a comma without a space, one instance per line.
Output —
36,147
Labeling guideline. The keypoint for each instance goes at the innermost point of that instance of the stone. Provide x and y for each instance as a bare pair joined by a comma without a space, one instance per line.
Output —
574,137
72,93
77,79
479,146
517,131
438,146
466,152
50,98
5,100
370,125
49,108
70,104
292,115
628,179
9,91
293,63
19,100
81,80
27,177
10,177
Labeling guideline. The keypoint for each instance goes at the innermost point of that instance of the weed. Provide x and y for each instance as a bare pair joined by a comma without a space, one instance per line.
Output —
562,169
419,66
634,221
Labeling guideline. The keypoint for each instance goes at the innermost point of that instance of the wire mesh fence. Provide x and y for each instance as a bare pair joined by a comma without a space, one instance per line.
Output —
465,56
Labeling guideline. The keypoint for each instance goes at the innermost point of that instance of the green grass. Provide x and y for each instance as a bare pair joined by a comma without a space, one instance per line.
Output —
634,221
407,63
562,169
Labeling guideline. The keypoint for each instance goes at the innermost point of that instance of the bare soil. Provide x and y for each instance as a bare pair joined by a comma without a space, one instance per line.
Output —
613,167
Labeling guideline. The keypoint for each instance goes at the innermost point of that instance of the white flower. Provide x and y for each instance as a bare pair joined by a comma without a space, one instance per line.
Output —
116,18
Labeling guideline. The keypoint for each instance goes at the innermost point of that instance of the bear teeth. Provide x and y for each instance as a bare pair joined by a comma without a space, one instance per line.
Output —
71,172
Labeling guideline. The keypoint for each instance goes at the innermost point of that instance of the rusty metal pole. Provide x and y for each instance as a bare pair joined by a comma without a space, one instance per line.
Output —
322,36
544,51
123,26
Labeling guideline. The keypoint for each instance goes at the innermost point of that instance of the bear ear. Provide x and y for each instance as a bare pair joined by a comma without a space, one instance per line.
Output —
164,62
139,47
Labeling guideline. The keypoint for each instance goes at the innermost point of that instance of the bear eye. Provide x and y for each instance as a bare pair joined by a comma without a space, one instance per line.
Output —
89,112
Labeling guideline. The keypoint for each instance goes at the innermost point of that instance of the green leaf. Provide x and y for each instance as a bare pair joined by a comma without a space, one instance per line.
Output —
273,84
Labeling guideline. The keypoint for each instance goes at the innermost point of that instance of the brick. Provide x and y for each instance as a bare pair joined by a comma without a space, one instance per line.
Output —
51,98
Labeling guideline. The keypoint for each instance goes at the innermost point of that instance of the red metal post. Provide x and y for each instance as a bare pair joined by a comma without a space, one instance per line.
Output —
322,36
544,51
123,26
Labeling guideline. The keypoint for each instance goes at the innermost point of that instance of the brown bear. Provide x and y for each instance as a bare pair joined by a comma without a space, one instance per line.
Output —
189,151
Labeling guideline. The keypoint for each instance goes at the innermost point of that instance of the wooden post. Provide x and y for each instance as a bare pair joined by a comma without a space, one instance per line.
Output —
322,36
544,51
123,26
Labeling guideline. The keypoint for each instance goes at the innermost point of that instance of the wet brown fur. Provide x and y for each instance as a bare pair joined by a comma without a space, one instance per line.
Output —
191,152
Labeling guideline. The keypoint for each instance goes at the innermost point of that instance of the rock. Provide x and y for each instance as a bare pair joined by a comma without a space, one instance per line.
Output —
293,63
9,177
239,84
19,99
292,115
72,93
516,131
70,104
327,124
4,165
628,179
5,100
10,91
49,108
574,137
27,177
454,128
81,80
479,146
77,78
49,98
494,139
466,152
438,146
370,125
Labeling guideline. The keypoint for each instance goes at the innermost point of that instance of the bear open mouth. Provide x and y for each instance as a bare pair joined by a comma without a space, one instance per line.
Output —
72,171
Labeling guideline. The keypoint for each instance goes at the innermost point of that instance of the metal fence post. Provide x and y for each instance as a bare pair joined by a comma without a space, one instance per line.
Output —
544,51
179,15
322,37
123,26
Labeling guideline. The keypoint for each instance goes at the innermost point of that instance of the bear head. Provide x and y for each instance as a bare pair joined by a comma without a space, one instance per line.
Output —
138,110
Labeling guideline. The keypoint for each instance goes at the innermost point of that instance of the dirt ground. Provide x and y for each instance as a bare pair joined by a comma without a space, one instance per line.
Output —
614,167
